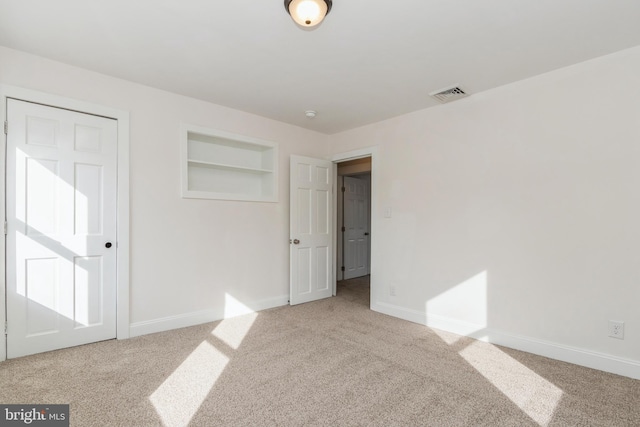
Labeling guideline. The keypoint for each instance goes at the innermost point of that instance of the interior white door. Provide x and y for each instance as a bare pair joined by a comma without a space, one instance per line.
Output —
356,227
61,218
311,226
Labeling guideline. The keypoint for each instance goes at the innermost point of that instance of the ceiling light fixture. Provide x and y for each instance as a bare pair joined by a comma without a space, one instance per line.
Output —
308,13
310,114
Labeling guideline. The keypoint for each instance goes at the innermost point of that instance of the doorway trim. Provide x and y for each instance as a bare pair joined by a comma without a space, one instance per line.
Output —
122,215
352,155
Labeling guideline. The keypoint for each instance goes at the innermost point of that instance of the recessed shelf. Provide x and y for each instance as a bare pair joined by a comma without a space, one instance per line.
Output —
221,165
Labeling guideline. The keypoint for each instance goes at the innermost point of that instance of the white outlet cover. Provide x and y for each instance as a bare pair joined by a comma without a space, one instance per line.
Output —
616,329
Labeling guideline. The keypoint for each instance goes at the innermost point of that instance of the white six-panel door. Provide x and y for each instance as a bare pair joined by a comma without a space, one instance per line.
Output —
311,224
356,224
61,217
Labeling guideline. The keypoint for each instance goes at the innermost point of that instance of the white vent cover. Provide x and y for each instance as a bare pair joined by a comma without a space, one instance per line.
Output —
449,94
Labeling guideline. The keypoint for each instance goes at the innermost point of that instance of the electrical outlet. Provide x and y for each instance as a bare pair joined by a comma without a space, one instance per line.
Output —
616,329
392,290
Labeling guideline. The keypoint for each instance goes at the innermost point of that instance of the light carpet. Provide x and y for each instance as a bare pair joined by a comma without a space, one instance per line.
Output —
327,363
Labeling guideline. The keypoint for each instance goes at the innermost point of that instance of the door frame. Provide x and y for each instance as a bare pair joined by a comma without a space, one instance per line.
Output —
122,202
373,265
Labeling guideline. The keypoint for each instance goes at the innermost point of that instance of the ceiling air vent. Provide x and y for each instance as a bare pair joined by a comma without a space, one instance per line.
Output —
449,94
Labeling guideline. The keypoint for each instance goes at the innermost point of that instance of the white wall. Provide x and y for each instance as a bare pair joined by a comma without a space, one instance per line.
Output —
516,213
186,255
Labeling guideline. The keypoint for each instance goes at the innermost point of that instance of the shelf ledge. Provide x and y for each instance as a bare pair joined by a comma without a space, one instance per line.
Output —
212,165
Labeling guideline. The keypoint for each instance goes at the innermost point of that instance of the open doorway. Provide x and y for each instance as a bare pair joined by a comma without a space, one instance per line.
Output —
353,254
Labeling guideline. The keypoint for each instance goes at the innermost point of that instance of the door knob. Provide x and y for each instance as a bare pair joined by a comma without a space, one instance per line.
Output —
107,245
366,234
296,241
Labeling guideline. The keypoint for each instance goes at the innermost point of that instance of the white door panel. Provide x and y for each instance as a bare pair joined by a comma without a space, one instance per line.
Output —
61,211
311,229
356,224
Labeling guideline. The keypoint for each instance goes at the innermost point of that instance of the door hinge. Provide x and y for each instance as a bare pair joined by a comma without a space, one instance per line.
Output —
5,228
342,268
5,327
6,127
343,229
343,189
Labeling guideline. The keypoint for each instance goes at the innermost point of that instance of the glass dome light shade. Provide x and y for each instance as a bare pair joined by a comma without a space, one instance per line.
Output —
308,13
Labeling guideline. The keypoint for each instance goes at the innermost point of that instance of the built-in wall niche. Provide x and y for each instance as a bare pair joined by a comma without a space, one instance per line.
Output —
226,166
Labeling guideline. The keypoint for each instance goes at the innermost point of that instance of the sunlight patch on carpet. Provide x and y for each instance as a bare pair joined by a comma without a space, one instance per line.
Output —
448,337
179,397
534,395
232,331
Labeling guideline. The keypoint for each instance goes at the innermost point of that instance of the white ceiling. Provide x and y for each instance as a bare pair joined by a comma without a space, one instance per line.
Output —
368,61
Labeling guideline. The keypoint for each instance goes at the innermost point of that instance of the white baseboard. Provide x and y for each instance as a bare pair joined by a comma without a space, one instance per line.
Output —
577,356
266,304
199,317
414,316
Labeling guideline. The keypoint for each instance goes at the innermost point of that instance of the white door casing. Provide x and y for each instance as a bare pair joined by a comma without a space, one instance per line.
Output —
356,226
61,212
374,225
311,229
